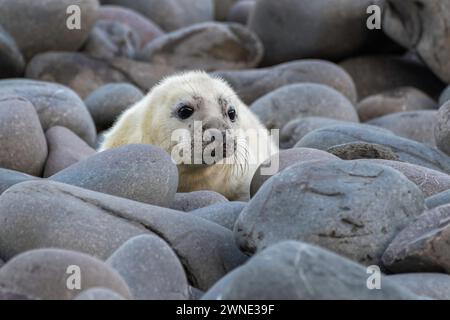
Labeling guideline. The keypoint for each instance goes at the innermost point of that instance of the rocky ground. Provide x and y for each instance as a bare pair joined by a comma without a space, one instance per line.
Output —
364,174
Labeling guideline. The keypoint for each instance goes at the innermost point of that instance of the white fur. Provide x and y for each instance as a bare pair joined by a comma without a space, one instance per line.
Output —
150,121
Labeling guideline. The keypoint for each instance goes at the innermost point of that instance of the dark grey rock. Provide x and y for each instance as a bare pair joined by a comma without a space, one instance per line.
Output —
376,74
362,150
46,274
287,158
111,39
423,245
331,204
151,269
146,29
98,294
12,63
408,150
207,46
22,140
421,26
414,125
50,214
292,29
195,200
75,70
143,173
224,213
397,100
40,26
294,130
8,178
55,104
254,83
428,285
171,14
293,270
107,102
442,128
65,149
278,107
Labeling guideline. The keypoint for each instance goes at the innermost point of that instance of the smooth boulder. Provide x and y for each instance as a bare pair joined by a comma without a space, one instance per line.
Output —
222,213
278,107
397,100
207,46
188,201
40,26
49,214
142,173
65,148
407,150
50,274
107,102
423,245
12,63
151,269
294,270
331,204
22,140
254,83
55,104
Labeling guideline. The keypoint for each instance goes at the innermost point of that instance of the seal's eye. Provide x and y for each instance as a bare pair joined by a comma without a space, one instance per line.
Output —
185,112
232,114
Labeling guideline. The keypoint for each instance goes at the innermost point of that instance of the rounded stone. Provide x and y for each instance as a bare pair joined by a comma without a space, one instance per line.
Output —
293,131
142,173
151,269
397,100
278,107
46,274
56,105
22,140
189,201
438,199
146,29
222,213
331,204
171,14
362,150
407,150
75,70
107,102
414,125
65,149
293,270
423,245
207,46
40,26
110,39
285,159
255,83
445,96
421,26
45,214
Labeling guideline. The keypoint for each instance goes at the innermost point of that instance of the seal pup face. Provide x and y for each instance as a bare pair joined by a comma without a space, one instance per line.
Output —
203,112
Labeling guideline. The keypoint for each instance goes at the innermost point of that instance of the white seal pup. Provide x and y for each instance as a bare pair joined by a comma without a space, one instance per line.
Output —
182,102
